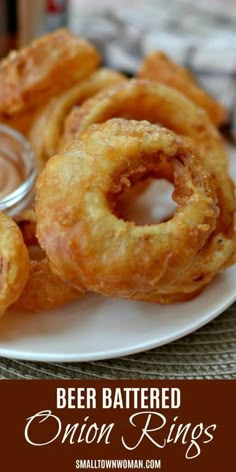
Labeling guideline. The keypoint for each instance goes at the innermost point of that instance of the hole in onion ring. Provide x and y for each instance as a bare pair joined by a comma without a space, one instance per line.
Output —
147,202
36,253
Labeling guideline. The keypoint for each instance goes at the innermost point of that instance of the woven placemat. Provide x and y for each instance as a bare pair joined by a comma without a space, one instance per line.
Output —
209,353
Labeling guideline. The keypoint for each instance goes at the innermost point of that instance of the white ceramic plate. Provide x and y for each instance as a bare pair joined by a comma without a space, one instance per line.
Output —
98,327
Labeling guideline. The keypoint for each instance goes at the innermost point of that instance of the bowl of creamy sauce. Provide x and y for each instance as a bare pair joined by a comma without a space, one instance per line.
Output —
17,171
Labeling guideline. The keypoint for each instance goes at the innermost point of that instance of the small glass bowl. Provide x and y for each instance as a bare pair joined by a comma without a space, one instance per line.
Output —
15,148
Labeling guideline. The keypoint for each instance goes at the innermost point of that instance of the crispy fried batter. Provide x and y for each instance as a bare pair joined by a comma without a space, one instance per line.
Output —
44,290
48,125
50,64
76,194
87,245
158,103
14,262
158,66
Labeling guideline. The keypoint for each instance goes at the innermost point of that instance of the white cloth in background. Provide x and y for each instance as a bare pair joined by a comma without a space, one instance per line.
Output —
201,35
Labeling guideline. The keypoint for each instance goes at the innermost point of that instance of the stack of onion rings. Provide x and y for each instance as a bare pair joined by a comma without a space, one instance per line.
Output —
105,150
30,78
157,103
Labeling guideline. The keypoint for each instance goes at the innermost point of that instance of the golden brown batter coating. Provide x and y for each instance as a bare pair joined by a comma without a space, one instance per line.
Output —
14,262
48,124
85,241
50,64
158,66
158,103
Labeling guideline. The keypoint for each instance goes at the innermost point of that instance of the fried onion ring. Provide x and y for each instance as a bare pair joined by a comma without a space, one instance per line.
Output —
48,126
14,262
158,66
43,289
157,103
50,64
86,242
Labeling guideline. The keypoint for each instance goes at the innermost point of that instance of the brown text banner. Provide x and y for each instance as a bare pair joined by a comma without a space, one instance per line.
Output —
117,425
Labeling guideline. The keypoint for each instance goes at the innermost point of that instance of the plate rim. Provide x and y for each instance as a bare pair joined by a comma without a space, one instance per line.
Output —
118,353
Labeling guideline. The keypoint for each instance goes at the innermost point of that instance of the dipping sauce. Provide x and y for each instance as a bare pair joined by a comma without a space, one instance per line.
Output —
10,176
17,171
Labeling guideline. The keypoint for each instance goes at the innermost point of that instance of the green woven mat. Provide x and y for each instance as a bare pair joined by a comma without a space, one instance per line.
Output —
208,353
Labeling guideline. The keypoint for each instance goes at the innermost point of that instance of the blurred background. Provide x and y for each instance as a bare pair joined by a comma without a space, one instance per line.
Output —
199,34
